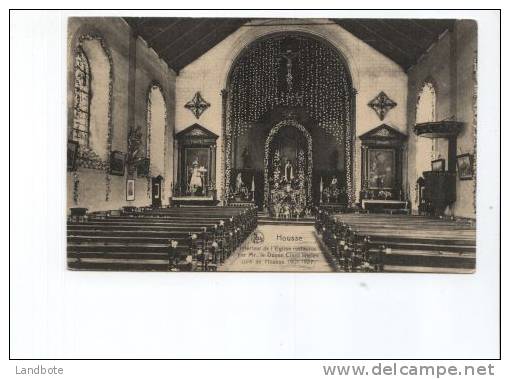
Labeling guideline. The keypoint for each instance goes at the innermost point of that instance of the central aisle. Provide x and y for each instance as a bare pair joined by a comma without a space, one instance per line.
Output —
284,248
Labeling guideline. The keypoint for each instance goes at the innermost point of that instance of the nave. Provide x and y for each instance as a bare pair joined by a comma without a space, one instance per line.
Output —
280,127
285,248
230,239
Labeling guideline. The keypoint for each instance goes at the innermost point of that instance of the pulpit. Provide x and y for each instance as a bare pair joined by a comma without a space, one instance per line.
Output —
439,187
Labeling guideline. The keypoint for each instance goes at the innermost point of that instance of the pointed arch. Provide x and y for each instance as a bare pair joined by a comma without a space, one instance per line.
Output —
156,128
94,68
426,111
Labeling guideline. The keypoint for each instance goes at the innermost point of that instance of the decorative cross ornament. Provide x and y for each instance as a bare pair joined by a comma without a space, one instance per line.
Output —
382,104
197,105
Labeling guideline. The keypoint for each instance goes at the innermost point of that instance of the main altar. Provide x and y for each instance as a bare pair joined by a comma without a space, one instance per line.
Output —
284,94
288,170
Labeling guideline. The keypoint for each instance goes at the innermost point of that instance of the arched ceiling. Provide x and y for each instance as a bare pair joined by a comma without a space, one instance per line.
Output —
180,41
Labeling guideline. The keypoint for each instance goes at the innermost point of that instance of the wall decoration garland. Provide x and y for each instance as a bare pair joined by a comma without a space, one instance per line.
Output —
224,103
155,86
290,70
134,144
475,122
88,158
76,187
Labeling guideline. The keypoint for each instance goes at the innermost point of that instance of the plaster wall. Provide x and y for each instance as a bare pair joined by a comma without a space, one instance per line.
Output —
134,68
450,66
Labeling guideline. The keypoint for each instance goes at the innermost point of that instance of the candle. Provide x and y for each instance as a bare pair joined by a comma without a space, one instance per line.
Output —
253,183
321,185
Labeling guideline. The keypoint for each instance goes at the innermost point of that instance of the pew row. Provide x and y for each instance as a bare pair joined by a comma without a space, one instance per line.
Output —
173,239
398,243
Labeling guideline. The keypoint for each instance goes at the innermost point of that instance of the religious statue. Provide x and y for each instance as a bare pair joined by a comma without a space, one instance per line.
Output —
239,182
241,192
246,158
196,183
289,55
288,171
334,190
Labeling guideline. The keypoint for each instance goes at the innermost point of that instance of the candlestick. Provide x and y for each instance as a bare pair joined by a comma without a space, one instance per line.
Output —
320,190
253,188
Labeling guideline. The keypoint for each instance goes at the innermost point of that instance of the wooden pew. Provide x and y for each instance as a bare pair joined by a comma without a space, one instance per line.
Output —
142,240
398,242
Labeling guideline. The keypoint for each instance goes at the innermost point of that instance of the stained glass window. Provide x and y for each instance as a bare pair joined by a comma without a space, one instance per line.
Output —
426,149
81,107
156,122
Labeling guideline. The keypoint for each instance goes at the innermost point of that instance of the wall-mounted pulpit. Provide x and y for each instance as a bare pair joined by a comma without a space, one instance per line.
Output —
382,150
439,186
196,178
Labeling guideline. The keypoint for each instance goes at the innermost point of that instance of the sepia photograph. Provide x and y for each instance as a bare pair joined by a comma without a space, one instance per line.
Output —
281,145
292,192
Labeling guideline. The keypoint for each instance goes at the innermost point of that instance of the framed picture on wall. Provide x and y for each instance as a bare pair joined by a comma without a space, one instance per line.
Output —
130,190
142,167
438,165
72,154
465,166
117,161
381,168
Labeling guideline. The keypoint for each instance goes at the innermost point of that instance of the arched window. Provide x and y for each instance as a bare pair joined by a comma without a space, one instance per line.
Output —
425,112
156,123
81,106
92,96
426,107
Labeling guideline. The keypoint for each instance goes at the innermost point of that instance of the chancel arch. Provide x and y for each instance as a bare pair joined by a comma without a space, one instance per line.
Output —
289,78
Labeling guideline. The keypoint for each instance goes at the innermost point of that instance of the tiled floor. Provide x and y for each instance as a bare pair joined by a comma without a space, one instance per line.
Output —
284,248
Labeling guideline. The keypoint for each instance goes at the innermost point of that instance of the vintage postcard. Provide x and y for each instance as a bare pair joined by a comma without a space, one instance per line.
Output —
271,145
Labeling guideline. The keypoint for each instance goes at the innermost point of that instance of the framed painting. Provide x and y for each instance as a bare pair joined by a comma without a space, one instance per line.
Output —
196,165
438,165
117,162
130,190
142,167
72,154
465,166
381,168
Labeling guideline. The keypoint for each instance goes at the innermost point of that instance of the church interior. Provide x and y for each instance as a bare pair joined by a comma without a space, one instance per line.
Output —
228,144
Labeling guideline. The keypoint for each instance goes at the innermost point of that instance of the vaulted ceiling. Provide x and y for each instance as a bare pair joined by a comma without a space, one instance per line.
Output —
179,41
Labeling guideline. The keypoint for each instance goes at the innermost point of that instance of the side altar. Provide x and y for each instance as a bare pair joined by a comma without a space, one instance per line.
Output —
196,175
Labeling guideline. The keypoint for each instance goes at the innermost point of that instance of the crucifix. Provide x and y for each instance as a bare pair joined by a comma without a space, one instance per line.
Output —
288,56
